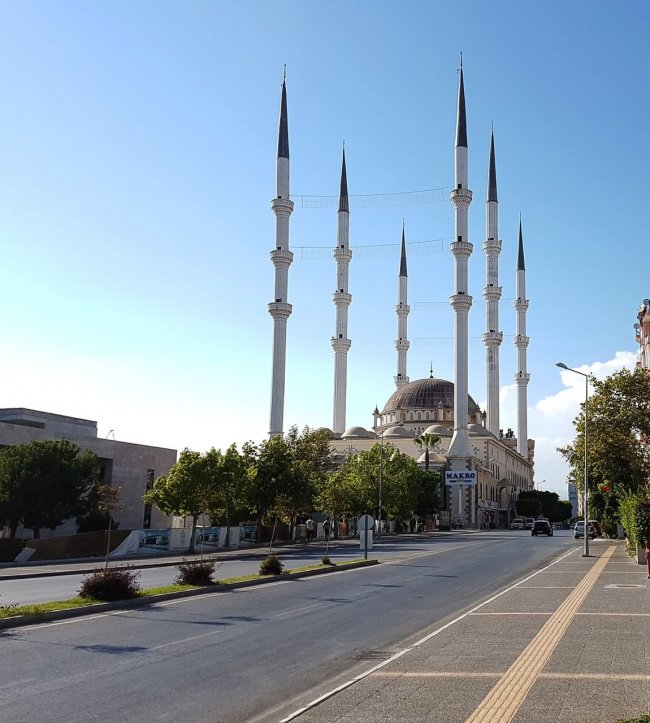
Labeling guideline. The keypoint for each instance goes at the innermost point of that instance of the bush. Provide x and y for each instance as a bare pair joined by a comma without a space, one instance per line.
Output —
271,566
112,583
326,561
195,572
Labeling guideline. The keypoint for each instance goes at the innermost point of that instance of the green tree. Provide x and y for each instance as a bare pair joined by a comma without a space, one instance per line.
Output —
618,418
528,504
429,499
229,478
44,483
427,442
185,490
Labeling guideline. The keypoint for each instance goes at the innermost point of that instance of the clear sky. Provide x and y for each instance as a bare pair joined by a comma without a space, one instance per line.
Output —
137,147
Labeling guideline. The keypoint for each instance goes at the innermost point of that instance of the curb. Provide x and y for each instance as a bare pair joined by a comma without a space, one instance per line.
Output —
53,615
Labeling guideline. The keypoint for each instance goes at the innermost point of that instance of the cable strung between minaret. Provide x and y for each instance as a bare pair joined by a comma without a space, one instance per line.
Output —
280,309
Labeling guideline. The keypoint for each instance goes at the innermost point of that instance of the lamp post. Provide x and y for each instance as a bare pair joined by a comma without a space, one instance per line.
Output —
585,494
381,474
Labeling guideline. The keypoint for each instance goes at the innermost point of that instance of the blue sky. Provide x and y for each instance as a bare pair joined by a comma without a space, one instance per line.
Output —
138,164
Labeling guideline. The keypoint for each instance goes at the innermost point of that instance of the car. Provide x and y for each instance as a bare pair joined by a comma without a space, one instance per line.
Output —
517,524
528,524
579,530
541,527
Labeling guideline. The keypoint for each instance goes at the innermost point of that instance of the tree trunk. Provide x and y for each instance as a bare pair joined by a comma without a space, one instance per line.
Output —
258,528
13,529
227,540
37,532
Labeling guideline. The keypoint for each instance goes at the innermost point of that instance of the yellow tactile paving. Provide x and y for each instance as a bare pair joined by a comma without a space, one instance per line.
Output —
501,704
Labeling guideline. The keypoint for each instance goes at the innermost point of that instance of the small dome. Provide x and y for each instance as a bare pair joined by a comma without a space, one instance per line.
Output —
434,458
397,432
478,430
326,429
428,394
357,433
439,430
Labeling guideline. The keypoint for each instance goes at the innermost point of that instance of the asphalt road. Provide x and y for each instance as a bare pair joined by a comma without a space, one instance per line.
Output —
254,653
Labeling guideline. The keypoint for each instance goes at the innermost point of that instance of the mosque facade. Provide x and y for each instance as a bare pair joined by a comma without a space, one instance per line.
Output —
469,439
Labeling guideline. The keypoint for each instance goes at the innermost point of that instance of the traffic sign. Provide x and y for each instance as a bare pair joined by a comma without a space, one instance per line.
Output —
366,522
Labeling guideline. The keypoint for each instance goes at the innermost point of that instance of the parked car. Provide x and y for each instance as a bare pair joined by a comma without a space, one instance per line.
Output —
528,524
579,530
517,524
542,527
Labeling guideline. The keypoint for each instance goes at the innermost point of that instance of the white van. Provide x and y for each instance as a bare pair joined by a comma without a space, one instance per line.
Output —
517,523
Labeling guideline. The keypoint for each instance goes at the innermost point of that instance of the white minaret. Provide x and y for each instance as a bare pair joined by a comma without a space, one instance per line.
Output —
402,310
340,343
460,449
521,342
492,293
281,257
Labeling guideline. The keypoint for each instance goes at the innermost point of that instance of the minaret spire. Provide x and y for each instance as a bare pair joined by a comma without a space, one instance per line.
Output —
281,257
342,298
522,376
460,450
492,293
402,310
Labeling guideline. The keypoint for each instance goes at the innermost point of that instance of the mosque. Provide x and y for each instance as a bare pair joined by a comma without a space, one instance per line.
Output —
485,468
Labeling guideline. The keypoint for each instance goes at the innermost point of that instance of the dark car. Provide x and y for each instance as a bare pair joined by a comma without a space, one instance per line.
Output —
542,527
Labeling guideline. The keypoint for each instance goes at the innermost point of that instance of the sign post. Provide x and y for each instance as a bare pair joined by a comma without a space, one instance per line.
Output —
460,480
366,523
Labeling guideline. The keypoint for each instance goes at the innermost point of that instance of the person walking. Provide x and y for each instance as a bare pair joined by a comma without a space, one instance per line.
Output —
326,529
310,525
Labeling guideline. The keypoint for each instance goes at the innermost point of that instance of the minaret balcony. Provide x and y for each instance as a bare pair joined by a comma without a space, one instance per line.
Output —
402,309
281,259
342,254
401,345
521,341
340,298
492,246
461,196
492,293
341,345
460,302
522,378
461,249
280,310
521,304
492,338
282,206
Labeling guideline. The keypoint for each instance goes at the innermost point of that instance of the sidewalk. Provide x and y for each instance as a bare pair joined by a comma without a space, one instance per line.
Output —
570,642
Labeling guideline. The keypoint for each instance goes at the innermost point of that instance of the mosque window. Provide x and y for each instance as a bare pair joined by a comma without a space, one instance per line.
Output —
419,416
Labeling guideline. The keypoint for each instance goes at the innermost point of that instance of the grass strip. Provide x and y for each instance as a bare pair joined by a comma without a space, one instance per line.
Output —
12,611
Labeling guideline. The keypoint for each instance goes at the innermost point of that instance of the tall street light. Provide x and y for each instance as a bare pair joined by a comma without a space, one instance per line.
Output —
381,474
585,490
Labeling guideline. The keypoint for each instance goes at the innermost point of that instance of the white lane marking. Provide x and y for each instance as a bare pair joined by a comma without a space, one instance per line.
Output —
185,640
396,656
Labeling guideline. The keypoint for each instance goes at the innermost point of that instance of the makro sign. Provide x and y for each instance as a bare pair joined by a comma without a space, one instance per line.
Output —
460,478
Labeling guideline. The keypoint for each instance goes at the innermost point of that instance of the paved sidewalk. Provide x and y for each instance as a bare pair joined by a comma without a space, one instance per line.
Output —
569,643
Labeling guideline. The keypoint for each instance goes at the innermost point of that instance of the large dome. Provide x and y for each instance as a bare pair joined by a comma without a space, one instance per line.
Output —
428,394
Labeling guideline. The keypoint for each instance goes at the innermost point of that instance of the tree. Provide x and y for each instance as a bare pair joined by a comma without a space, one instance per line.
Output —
426,441
108,501
185,490
618,427
528,504
44,483
229,477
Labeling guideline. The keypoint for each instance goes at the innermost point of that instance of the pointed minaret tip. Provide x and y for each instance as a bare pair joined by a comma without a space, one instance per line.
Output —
344,202
492,173
283,128
521,266
402,262
461,119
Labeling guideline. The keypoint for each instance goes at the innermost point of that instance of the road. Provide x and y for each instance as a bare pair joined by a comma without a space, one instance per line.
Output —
255,653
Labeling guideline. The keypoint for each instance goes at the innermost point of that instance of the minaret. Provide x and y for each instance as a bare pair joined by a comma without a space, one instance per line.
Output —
340,343
402,310
521,342
460,449
492,293
281,257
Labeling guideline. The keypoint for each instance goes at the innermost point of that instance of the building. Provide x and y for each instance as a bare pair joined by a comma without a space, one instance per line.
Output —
470,440
132,467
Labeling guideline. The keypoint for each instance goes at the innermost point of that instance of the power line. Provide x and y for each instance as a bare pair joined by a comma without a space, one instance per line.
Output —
375,200
371,251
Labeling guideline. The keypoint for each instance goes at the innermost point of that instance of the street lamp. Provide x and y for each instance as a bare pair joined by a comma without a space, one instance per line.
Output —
585,490
381,473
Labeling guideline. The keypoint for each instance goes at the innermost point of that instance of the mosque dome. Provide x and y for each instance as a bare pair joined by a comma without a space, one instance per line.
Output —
427,394
439,430
357,433
434,458
478,430
397,431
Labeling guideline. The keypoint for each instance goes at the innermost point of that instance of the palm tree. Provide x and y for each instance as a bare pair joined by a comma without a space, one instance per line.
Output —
426,442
